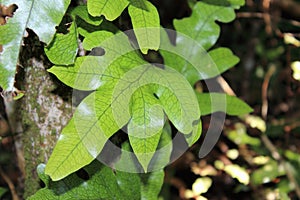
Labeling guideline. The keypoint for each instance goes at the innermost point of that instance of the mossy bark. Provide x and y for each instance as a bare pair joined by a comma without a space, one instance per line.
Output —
41,113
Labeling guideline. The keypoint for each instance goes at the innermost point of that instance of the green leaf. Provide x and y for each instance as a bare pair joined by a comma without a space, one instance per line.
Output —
120,73
239,136
63,48
201,185
115,46
19,95
237,172
190,59
195,135
151,184
220,102
85,29
145,22
69,154
129,162
111,9
256,122
223,59
183,110
82,12
93,119
145,126
296,70
162,156
40,16
87,73
92,125
101,182
129,184
83,75
2,191
267,173
96,39
93,122
201,25
195,35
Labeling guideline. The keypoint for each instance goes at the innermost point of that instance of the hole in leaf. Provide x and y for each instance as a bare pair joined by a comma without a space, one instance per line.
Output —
111,151
97,51
153,57
196,122
6,11
64,25
42,184
83,174
155,95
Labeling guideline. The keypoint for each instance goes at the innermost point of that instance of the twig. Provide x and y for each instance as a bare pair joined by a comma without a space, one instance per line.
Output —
267,142
264,92
10,185
225,86
289,6
267,16
260,15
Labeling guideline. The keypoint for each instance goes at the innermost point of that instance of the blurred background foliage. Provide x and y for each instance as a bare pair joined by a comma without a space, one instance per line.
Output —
257,156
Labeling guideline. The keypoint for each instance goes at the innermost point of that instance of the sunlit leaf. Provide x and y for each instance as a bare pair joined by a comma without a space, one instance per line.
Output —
238,172
96,39
239,135
220,102
119,75
63,48
145,126
162,156
290,39
256,122
261,160
201,185
195,64
175,89
82,12
195,35
145,22
111,9
296,70
201,26
267,173
69,154
232,154
88,71
182,113
116,76
40,16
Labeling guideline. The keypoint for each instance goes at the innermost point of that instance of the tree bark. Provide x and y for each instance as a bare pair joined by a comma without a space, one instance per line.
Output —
41,113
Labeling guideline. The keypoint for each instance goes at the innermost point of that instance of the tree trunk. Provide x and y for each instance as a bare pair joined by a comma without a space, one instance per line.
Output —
41,113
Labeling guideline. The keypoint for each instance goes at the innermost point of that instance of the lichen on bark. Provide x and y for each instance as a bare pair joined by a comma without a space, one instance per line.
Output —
41,113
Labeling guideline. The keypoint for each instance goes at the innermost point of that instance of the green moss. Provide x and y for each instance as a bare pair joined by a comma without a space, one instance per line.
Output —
40,128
